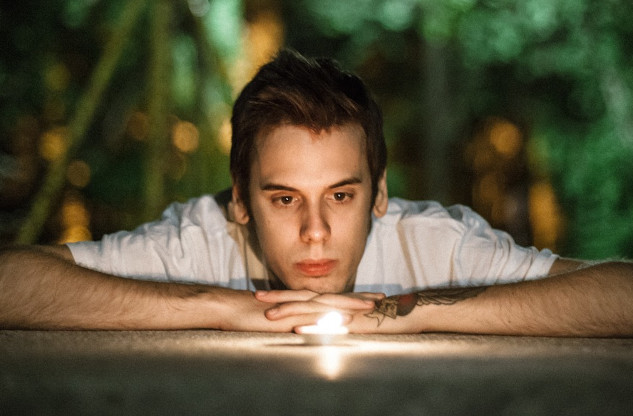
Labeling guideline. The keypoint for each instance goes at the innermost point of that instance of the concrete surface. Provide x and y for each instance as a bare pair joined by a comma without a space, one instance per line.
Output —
217,373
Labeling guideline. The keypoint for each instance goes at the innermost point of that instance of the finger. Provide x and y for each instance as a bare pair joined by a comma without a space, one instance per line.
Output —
282,296
369,295
288,324
345,301
288,309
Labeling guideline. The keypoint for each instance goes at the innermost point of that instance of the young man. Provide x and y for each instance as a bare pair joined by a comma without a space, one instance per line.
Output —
308,228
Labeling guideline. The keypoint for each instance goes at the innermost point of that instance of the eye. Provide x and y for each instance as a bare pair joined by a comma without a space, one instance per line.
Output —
341,196
284,200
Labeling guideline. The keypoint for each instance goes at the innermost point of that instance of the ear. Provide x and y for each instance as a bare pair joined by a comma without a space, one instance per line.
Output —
237,209
382,198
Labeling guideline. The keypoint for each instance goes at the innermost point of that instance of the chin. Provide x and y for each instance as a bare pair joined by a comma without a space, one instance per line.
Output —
318,285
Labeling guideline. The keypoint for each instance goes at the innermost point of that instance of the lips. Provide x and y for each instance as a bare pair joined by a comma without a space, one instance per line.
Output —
315,268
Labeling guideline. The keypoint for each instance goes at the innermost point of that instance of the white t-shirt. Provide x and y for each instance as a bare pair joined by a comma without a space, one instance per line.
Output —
416,245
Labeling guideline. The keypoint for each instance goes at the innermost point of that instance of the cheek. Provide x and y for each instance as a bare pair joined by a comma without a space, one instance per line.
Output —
271,229
353,231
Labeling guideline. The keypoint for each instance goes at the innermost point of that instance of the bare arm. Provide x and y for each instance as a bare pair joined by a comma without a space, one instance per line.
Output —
574,301
42,288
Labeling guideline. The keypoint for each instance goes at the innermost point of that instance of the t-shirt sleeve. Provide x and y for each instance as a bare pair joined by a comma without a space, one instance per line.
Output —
174,248
420,245
486,256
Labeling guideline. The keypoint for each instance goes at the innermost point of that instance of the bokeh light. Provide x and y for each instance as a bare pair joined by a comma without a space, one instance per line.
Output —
224,136
75,219
541,80
53,143
185,137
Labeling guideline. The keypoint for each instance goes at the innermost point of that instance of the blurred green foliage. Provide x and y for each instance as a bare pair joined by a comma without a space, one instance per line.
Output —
560,69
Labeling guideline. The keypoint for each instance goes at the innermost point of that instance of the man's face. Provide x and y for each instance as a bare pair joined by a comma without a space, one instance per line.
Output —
310,198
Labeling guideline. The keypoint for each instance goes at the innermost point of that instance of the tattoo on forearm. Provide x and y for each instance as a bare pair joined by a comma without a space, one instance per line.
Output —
402,305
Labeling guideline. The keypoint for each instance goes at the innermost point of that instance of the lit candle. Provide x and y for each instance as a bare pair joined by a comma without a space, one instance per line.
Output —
328,330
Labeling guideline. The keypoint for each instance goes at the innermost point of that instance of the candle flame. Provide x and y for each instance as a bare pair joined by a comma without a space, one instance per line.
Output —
331,320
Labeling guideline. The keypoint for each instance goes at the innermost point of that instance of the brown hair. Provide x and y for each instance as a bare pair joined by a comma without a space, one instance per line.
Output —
315,93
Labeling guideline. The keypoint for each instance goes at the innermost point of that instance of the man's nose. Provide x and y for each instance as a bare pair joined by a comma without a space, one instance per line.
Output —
315,227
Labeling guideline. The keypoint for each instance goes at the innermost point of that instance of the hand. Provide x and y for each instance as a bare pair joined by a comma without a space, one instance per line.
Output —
309,306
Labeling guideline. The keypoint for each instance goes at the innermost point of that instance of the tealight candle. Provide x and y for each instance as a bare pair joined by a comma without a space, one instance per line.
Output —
328,330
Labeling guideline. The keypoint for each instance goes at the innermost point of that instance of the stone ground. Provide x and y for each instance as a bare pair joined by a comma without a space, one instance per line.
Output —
216,373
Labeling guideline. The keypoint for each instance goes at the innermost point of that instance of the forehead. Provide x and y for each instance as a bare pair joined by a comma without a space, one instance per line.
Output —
290,152
344,133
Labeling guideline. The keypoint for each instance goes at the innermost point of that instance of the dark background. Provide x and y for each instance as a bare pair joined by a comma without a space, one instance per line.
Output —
109,110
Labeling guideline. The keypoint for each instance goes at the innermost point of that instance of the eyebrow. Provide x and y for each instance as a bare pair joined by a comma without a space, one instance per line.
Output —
278,187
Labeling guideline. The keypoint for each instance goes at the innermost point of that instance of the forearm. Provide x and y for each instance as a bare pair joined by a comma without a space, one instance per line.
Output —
594,301
41,290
